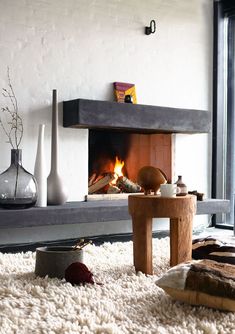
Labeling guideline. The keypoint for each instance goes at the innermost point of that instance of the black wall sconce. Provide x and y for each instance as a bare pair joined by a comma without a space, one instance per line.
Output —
151,29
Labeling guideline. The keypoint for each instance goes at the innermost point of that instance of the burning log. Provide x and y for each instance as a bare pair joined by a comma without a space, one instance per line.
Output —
127,185
101,183
92,179
113,190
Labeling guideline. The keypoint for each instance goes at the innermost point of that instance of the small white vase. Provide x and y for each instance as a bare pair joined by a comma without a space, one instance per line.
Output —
40,169
56,190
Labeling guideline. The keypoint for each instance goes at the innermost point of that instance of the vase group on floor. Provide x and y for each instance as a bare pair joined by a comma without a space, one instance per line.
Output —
19,189
51,189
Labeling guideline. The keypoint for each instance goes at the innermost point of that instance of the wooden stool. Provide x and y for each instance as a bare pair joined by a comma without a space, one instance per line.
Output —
179,209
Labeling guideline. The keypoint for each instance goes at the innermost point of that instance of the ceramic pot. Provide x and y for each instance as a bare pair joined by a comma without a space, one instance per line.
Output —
182,186
53,261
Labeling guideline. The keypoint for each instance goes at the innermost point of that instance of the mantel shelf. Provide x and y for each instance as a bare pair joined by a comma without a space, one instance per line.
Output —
92,114
88,212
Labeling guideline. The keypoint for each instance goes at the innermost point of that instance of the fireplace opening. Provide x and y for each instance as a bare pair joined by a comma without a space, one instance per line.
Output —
128,152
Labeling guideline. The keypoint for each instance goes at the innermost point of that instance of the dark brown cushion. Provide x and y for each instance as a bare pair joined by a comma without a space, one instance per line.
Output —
213,249
201,282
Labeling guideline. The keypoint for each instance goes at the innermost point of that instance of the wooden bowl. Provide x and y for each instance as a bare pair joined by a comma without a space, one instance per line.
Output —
150,178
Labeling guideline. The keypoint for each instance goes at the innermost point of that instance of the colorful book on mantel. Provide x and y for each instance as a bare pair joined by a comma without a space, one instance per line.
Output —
122,89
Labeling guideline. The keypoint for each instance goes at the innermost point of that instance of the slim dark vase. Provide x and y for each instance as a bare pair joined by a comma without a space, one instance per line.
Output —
18,188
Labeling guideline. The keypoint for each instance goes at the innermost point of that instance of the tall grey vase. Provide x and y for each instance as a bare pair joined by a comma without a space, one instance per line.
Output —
40,169
56,191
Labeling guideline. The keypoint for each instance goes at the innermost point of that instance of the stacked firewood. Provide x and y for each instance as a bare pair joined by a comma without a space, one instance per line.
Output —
103,184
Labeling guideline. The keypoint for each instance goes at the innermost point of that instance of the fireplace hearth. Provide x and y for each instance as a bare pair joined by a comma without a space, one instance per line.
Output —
115,158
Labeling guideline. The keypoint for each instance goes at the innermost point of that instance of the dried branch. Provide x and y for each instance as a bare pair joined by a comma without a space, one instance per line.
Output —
12,125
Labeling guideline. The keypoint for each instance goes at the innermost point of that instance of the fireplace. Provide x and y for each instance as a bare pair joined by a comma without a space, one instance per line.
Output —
145,130
131,151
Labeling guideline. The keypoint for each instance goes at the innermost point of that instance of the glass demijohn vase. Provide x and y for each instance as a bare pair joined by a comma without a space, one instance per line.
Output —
18,188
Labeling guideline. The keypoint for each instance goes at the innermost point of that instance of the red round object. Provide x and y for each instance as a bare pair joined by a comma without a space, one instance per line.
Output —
78,273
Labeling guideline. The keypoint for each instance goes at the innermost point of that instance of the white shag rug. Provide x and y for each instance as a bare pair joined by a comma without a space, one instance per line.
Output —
126,302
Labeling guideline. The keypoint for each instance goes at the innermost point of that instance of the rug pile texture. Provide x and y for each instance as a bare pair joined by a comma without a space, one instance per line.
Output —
126,302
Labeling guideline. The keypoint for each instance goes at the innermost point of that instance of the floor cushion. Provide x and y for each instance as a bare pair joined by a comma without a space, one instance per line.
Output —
213,249
201,282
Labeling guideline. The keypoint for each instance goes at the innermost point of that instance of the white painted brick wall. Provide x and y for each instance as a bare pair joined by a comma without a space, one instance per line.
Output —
81,47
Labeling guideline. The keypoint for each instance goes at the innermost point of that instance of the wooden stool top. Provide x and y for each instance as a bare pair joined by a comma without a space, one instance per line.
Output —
162,207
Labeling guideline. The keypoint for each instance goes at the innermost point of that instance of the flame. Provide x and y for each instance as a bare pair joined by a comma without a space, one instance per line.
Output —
117,169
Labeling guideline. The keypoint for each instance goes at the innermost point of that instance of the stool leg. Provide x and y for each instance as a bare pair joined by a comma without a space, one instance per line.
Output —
142,243
181,239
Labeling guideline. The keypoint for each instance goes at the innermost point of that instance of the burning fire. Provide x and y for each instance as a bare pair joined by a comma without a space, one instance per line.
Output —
113,181
117,170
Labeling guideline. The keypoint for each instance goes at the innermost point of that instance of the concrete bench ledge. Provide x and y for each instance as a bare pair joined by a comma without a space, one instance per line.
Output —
88,212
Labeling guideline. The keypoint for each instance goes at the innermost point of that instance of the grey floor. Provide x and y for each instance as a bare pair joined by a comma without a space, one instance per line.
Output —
219,233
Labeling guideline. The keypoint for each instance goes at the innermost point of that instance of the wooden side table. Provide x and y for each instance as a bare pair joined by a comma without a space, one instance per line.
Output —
180,210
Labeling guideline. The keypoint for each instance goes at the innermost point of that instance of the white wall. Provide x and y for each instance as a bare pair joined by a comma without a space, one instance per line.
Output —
81,47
